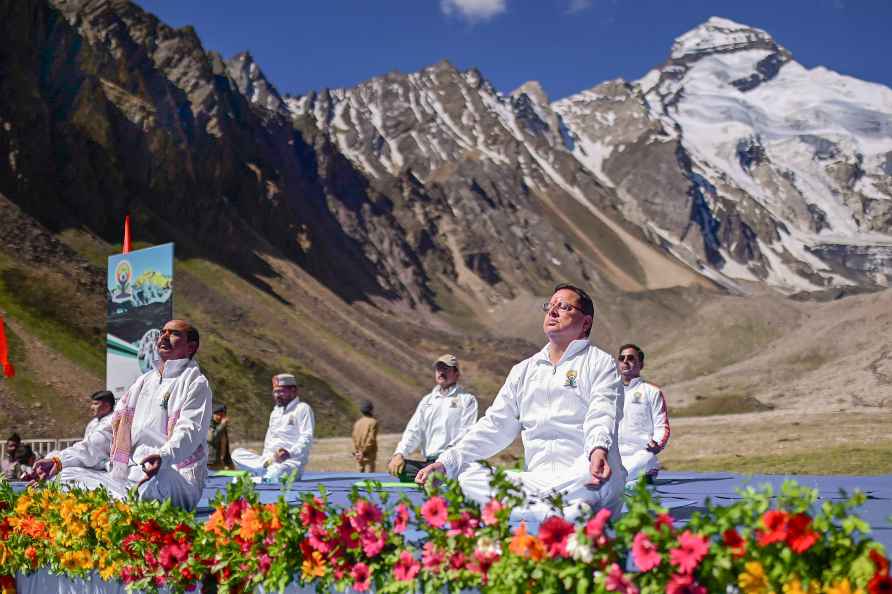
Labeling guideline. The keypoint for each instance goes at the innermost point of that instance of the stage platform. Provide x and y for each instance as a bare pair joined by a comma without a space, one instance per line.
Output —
682,492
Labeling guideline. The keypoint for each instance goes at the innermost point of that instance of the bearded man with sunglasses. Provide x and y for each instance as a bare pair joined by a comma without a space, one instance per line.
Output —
565,402
644,429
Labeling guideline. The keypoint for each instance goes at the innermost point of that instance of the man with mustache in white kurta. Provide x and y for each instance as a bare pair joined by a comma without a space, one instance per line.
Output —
565,402
156,441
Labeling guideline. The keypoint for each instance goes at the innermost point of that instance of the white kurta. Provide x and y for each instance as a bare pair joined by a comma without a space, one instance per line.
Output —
440,418
97,436
291,428
645,418
186,414
562,413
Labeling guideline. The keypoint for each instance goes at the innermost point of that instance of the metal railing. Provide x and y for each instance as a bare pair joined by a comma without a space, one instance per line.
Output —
42,447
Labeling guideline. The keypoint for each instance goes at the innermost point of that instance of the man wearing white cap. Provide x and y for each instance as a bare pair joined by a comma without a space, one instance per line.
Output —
565,402
441,417
156,440
289,437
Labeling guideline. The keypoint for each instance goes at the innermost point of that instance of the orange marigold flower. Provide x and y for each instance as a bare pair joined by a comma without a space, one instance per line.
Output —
526,545
251,524
313,565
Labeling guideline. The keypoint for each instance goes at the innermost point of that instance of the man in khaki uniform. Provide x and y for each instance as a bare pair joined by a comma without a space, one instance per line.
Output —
365,438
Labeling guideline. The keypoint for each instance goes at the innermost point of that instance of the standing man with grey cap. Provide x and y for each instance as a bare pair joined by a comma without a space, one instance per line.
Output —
441,417
286,449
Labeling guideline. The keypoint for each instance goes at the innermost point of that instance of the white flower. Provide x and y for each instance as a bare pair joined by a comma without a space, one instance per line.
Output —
488,546
579,551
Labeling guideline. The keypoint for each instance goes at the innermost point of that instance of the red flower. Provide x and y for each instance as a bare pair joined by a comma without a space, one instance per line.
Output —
406,567
365,513
401,518
347,536
553,533
432,558
880,584
735,542
312,514
373,542
684,584
435,512
594,528
172,555
691,550
644,553
799,537
457,560
775,522
464,525
362,577
881,563
483,560
318,539
233,512
664,520
490,511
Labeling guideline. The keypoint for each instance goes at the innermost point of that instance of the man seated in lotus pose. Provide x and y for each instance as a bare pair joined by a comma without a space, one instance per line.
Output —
440,418
98,430
565,402
289,437
644,430
156,441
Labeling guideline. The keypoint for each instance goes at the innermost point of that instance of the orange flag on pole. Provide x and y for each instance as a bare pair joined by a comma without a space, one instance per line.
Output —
8,369
126,235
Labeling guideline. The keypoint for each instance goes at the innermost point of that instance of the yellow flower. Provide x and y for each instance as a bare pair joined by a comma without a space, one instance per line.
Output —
109,572
4,554
314,566
794,586
22,505
753,579
77,560
842,587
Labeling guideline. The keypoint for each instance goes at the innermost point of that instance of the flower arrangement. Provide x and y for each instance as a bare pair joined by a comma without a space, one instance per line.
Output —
761,544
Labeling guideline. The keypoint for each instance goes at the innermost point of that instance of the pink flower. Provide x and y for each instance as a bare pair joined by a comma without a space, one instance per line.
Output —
432,558
401,518
483,560
435,512
490,511
265,562
691,550
645,553
594,528
664,520
172,554
464,525
362,577
684,584
312,514
618,582
457,560
347,536
318,539
365,513
406,567
553,533
373,542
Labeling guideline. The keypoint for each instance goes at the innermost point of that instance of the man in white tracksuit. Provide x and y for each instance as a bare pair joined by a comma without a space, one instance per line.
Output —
156,441
440,418
289,437
644,430
97,434
564,401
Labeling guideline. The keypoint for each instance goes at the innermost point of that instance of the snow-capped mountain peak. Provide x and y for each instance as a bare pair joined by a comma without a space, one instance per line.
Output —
720,35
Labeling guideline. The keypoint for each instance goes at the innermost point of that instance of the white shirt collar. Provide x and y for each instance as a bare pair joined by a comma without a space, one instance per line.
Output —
173,368
574,347
440,392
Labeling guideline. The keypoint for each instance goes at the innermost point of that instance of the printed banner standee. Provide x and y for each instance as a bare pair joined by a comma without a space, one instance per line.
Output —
139,296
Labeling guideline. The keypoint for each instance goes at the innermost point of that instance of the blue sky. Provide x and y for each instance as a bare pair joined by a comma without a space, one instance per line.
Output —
567,45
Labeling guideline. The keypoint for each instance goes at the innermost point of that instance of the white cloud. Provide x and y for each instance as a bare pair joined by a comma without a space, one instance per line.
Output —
473,11
578,6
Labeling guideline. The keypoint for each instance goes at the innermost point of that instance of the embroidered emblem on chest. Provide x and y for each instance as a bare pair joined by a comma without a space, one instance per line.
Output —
636,397
453,404
165,398
571,379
